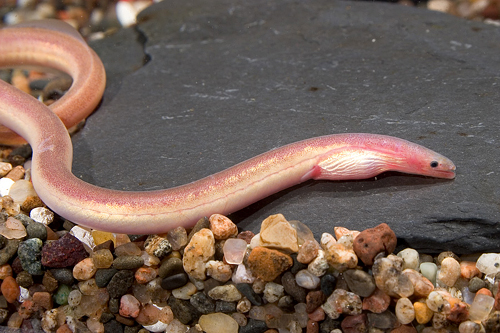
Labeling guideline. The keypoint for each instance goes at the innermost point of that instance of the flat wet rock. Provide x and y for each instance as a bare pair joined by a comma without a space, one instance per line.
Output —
198,87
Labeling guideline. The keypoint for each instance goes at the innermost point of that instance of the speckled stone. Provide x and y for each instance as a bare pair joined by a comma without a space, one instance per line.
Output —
268,264
371,242
128,262
254,326
197,253
202,303
36,230
9,250
222,227
29,253
183,310
292,288
103,276
119,283
63,275
24,279
64,252
342,302
157,246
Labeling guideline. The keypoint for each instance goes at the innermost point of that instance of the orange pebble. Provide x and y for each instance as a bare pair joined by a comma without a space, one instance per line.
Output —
145,274
468,269
64,329
10,289
485,291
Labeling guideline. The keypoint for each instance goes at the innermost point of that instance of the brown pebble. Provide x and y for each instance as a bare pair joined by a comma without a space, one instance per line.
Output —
354,324
10,289
484,291
459,312
314,299
27,308
312,326
404,329
49,281
64,252
16,173
377,302
246,236
371,242
124,321
107,245
64,329
268,264
43,299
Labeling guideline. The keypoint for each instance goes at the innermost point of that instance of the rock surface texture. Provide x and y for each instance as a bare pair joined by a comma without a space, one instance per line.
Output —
198,87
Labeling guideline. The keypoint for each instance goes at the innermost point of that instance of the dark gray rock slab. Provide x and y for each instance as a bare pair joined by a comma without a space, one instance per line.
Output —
199,86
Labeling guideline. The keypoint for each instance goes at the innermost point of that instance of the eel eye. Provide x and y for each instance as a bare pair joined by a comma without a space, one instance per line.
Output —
434,164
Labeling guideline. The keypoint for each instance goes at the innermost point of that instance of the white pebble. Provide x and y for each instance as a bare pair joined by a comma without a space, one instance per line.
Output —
306,279
159,326
489,263
21,190
410,258
481,307
273,292
185,292
42,215
449,272
5,185
5,168
84,236
405,312
242,275
429,270
74,298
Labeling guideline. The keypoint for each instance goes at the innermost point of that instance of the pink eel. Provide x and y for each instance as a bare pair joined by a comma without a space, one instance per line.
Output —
334,157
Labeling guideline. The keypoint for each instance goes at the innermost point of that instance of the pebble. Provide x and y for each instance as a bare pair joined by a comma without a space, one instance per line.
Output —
411,258
129,306
197,253
64,252
29,252
185,292
145,274
61,295
36,230
327,283
429,270
219,270
388,276
84,270
307,280
5,185
308,251
377,302
228,293
246,290
423,314
102,258
319,265
222,227
468,269
449,272
42,215
489,263
242,275
338,254
12,229
268,264
10,289
9,250
273,292
405,312
24,279
371,242
157,246
276,232
234,250
481,307
177,238
359,282
43,299
218,323
119,283
422,287
74,298
174,281
63,275
292,288
342,302
170,267
202,303
128,262
354,324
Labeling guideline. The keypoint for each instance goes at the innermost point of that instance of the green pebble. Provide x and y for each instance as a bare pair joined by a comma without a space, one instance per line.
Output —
61,295
30,254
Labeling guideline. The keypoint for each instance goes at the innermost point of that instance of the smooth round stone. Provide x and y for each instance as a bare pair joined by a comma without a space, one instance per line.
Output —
174,281
228,293
475,284
429,270
359,282
225,307
218,323
74,298
185,292
450,271
170,267
61,296
63,275
306,279
234,250
405,312
489,263
128,262
469,327
36,230
103,276
410,258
